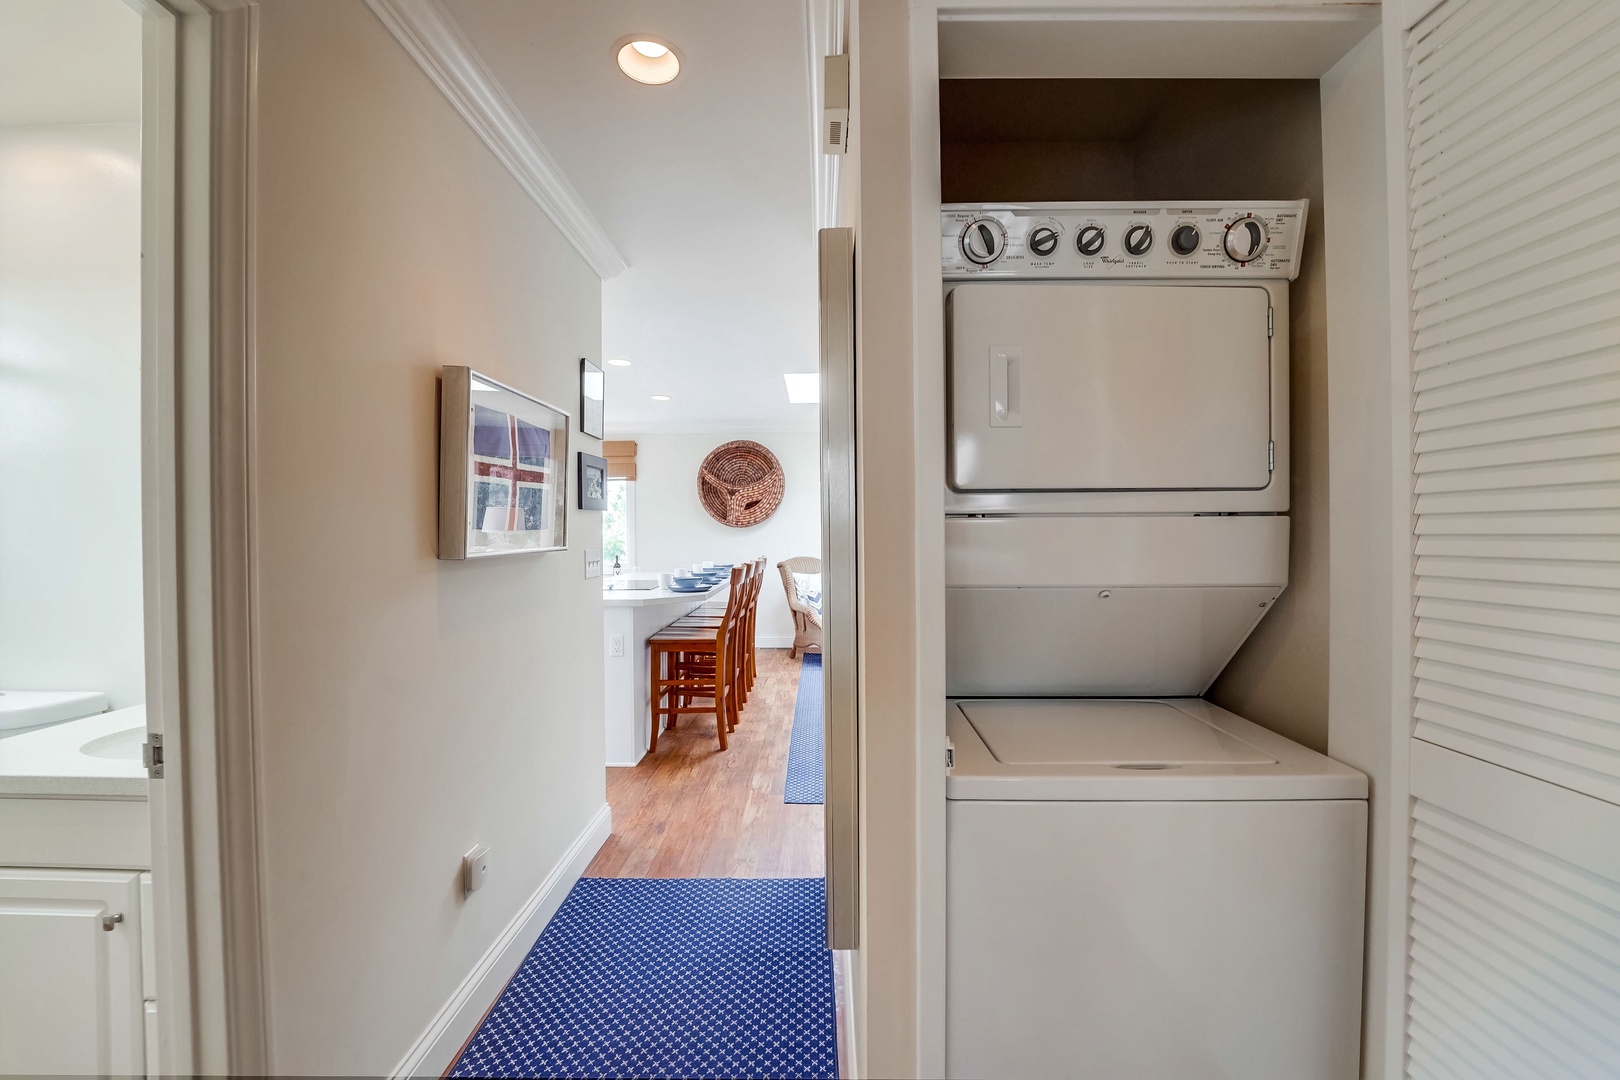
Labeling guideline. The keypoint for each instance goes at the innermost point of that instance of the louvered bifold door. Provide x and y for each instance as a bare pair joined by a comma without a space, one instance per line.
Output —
1513,110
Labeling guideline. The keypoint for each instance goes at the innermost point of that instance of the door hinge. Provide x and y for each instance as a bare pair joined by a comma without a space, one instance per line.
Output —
152,756
1270,320
1271,457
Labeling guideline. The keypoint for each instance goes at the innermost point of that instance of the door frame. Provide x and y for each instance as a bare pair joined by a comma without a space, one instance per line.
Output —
197,120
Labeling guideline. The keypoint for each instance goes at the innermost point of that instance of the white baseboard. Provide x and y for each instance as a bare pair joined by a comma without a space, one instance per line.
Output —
846,1035
435,1051
774,641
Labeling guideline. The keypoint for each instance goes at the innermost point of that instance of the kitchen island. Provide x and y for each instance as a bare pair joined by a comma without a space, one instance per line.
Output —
629,618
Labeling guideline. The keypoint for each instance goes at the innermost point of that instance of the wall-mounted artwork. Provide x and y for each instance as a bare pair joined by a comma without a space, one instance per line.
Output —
592,399
592,482
740,484
503,469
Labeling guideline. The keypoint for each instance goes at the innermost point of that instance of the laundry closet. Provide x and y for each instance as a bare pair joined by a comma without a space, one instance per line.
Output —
1139,861
1443,621
1131,868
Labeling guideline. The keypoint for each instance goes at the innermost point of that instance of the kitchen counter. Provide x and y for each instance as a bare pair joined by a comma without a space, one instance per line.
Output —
642,597
629,618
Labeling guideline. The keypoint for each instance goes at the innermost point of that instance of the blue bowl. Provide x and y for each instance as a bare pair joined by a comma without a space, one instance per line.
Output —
688,582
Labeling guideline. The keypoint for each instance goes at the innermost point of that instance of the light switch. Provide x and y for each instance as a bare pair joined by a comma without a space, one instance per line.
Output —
474,869
593,563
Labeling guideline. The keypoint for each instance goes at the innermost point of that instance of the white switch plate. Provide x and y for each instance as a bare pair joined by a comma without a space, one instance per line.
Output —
616,645
593,563
475,869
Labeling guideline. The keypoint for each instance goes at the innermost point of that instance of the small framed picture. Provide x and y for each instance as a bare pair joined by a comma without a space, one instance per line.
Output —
592,482
591,401
503,469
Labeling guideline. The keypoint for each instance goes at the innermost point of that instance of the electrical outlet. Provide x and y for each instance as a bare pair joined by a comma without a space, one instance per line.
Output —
593,563
616,645
474,869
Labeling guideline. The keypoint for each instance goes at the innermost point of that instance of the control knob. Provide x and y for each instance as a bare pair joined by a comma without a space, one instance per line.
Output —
1089,240
1246,239
1043,241
1184,240
983,241
1138,239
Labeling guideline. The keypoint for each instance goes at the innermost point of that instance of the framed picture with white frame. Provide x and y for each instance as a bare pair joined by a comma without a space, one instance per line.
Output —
503,469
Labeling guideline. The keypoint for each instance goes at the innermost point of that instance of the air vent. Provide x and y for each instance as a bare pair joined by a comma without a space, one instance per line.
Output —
1146,767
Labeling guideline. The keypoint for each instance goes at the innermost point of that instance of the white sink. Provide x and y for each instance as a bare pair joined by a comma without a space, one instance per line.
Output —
119,746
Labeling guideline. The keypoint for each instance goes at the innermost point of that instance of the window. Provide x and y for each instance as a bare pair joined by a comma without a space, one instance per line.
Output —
619,526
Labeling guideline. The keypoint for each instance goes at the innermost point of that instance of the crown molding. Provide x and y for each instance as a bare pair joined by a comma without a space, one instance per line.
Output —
435,42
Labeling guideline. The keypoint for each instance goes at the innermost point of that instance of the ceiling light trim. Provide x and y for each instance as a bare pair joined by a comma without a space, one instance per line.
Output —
433,40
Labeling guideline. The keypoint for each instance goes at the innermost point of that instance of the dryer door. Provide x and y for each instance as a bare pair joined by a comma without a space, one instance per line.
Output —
1079,386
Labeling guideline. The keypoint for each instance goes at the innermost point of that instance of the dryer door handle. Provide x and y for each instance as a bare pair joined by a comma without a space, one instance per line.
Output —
1006,390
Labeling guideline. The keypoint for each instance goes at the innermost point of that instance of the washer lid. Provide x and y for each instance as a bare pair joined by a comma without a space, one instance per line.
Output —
1121,750
1142,735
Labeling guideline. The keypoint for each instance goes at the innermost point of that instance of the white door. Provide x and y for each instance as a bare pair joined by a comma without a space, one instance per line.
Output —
70,972
1090,387
1513,159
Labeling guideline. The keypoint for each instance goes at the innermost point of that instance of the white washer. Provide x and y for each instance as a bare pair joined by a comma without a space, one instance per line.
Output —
1149,890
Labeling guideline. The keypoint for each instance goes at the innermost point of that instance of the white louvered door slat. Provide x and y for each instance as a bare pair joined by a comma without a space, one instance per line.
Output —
1513,212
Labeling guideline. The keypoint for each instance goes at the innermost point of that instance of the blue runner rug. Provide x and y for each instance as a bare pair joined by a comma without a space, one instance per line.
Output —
806,766
670,977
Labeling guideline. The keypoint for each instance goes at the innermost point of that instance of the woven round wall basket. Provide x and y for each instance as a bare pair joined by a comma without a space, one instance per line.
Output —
740,484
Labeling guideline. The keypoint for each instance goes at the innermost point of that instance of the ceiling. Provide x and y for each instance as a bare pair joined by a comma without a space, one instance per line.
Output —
704,184
69,62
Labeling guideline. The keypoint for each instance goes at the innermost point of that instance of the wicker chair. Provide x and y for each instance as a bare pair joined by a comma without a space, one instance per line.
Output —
806,619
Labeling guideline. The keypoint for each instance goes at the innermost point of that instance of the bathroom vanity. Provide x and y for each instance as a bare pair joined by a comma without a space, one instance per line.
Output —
77,970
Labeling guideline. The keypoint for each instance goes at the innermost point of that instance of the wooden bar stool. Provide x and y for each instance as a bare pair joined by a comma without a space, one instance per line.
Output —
690,662
748,668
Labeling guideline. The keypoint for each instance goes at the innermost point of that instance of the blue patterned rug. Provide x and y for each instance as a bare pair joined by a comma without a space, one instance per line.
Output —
806,768
670,977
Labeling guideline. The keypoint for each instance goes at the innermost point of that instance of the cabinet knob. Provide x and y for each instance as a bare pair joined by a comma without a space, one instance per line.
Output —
110,921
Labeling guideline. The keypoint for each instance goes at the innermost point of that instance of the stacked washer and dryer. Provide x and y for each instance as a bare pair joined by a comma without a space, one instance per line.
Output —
1141,885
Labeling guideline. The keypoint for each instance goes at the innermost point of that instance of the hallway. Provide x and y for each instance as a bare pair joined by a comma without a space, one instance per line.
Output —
691,812
694,946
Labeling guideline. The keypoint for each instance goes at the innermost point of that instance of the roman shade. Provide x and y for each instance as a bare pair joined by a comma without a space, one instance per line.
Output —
621,458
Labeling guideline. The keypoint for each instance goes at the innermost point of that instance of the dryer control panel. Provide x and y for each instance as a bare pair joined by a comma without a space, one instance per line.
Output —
1121,240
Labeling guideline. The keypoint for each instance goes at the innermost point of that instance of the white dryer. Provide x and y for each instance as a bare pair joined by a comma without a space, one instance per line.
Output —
1141,886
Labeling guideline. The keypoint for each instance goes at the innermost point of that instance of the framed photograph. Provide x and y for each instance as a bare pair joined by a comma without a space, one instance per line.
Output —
503,469
591,403
592,482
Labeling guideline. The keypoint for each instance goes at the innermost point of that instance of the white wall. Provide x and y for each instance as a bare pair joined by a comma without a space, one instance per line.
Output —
70,409
673,529
408,708
1368,688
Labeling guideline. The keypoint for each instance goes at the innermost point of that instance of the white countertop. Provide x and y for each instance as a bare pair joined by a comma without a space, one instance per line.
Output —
642,597
53,760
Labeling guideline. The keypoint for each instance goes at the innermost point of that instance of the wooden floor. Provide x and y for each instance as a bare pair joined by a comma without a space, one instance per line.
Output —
691,811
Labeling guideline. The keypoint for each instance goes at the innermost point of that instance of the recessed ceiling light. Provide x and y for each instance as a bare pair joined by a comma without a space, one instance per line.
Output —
647,59
660,397
618,361
803,388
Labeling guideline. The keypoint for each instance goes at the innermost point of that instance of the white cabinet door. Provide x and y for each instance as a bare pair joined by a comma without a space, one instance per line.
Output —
1513,162
70,989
